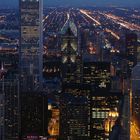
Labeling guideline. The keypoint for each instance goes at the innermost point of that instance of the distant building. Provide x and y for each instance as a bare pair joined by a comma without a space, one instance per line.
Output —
136,91
138,52
97,74
131,50
52,68
31,44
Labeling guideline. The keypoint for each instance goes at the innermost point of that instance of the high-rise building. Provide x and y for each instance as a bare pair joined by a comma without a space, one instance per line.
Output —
31,44
136,92
33,103
104,113
97,74
71,60
9,109
138,52
74,99
104,104
34,115
75,112
131,50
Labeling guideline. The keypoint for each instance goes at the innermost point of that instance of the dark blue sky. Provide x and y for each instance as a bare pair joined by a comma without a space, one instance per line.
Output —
14,3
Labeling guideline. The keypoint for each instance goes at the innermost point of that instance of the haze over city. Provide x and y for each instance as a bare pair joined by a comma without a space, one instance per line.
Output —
78,3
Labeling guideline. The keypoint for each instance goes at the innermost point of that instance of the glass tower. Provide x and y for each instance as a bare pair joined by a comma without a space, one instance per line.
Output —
31,44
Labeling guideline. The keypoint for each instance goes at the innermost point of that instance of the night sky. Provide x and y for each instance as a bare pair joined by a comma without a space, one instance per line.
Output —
14,3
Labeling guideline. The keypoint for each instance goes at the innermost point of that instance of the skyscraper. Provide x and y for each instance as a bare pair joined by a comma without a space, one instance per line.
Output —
33,103
9,109
104,101
131,50
34,111
104,113
75,112
136,92
74,100
31,44
71,65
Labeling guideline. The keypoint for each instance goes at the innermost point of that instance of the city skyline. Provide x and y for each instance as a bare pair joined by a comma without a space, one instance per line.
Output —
77,3
68,72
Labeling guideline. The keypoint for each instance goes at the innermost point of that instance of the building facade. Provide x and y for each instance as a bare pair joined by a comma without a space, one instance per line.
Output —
34,115
31,44
131,50
9,109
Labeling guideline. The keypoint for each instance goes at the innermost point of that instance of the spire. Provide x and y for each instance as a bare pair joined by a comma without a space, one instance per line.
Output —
69,27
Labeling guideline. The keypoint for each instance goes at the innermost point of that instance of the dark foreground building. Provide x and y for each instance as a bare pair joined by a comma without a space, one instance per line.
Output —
75,112
105,109
9,113
34,108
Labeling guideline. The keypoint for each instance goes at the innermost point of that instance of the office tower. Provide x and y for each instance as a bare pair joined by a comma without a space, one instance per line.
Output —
104,104
51,68
131,50
74,99
97,74
34,115
75,112
71,60
104,113
31,45
136,78
138,52
9,109
33,103
136,93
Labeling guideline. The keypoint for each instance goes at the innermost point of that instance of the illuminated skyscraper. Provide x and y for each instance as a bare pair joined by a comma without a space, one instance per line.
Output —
74,100
104,104
31,44
71,65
